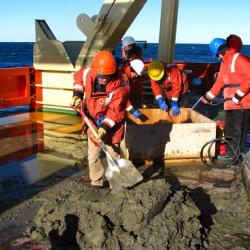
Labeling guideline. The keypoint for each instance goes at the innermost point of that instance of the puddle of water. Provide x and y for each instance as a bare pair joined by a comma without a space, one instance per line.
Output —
24,178
34,168
14,119
192,174
19,142
24,164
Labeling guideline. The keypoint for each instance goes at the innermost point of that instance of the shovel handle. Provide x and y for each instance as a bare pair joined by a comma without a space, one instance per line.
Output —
196,103
86,119
89,124
93,131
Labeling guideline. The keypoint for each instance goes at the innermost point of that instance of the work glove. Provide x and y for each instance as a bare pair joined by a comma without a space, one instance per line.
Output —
162,104
137,113
100,133
175,108
75,101
205,100
99,120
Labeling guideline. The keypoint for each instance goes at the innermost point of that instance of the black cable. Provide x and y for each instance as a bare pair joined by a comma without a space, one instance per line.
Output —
236,152
216,163
211,103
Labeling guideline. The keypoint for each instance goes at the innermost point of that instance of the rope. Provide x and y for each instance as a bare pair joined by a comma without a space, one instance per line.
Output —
100,26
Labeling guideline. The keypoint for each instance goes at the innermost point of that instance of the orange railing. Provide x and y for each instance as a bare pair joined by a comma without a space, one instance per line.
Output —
16,87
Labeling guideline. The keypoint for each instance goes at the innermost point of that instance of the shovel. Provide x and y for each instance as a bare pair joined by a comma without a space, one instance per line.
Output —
120,173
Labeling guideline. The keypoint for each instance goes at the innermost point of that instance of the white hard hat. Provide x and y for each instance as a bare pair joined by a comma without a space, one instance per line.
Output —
127,40
138,66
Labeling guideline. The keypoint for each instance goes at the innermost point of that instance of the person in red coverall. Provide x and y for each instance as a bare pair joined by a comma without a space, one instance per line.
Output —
170,82
132,74
131,53
105,97
130,50
234,79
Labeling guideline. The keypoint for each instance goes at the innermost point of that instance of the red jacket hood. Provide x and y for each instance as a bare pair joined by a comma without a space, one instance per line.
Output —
112,85
234,43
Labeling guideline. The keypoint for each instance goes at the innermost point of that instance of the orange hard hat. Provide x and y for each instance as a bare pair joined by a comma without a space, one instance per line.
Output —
104,63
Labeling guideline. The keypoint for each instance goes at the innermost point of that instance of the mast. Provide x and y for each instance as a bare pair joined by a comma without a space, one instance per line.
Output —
167,35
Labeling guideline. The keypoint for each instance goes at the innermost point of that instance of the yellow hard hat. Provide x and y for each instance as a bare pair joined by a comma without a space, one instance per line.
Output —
156,70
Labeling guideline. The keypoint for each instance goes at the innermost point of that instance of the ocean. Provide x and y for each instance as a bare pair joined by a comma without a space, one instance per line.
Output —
20,54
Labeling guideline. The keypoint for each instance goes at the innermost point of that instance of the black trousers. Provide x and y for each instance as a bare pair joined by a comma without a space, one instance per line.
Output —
237,123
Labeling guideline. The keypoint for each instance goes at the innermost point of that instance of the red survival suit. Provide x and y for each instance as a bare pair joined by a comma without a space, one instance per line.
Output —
110,102
135,84
174,84
233,77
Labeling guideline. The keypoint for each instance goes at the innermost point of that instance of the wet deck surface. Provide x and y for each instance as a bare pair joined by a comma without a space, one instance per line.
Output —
39,150
28,158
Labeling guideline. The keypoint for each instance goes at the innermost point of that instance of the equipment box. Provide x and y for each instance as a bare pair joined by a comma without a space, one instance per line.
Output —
162,136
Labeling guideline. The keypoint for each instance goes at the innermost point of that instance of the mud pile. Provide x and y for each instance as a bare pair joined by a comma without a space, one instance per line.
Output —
149,216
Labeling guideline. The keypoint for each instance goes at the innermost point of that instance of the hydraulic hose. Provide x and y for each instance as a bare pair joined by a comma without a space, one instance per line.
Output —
217,163
229,141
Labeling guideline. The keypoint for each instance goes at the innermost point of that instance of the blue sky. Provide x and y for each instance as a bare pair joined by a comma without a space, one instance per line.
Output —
199,21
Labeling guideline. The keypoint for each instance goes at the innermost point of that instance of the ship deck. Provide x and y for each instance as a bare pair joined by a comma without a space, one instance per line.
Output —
41,151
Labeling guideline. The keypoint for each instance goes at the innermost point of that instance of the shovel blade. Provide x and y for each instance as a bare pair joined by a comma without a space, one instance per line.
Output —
113,176
129,172
122,174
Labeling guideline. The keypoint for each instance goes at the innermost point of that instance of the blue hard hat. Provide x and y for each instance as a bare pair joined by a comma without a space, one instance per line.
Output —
215,45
